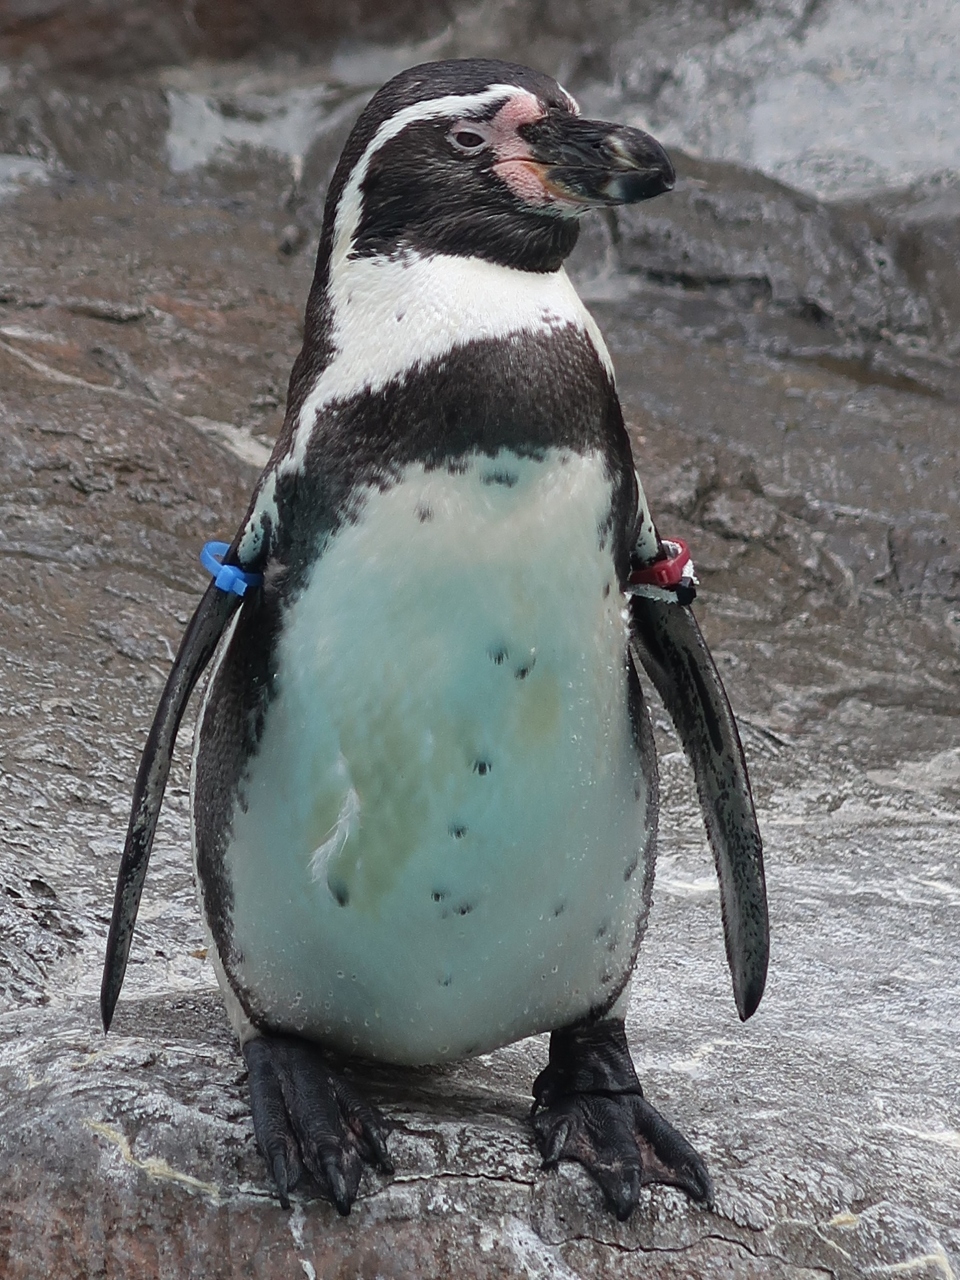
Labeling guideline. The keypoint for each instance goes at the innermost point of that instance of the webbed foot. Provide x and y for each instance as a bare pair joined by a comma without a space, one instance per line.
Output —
589,1107
304,1114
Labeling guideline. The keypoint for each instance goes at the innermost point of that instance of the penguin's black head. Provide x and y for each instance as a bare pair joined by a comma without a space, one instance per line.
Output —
480,158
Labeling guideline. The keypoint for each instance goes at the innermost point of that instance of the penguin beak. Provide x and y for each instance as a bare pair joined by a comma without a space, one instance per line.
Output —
590,162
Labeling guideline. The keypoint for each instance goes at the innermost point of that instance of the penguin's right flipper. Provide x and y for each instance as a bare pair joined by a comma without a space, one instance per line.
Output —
199,642
677,660
304,1114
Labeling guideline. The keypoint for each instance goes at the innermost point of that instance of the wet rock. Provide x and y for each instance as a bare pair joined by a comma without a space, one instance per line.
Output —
292,238
924,230
101,130
105,309
680,490
115,37
738,513
835,98
925,562
757,244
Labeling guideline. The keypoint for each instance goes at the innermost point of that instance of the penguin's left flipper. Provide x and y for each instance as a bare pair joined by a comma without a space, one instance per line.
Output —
304,1114
677,660
199,642
589,1107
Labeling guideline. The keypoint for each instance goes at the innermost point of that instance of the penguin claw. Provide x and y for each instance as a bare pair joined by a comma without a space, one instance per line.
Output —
377,1149
554,1141
281,1180
306,1116
343,1192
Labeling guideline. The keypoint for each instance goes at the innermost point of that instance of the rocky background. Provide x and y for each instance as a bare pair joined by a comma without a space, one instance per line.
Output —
786,328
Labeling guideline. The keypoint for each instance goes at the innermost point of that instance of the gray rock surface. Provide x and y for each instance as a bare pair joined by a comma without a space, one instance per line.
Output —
147,324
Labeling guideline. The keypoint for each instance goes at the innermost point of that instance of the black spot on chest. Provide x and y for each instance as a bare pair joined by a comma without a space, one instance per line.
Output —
505,478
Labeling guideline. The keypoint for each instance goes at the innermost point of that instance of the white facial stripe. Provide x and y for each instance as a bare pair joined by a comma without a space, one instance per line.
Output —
572,103
452,104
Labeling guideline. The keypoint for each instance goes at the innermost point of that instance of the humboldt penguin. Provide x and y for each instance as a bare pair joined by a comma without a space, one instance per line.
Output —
424,785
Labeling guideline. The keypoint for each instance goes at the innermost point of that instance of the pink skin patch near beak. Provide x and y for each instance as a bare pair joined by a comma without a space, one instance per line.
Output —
529,179
514,165
526,177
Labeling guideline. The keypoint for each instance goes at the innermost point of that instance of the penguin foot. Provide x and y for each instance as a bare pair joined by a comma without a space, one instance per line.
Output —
305,1115
589,1107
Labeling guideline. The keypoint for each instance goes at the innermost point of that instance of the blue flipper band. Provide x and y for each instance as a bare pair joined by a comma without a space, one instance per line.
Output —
227,576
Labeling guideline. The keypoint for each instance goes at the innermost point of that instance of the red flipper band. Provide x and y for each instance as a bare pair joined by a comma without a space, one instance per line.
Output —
665,573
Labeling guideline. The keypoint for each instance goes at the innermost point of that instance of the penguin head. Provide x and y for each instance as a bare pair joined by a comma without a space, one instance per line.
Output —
480,158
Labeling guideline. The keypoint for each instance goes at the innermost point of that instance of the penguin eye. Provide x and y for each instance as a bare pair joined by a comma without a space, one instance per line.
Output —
466,140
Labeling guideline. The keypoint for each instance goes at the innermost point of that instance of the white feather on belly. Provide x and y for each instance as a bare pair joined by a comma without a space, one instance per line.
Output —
346,825
435,853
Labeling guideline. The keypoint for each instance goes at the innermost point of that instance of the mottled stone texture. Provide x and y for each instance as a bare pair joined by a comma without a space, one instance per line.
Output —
146,328
124,35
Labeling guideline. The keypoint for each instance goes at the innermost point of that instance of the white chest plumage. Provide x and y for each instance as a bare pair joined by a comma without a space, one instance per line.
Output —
393,316
436,851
